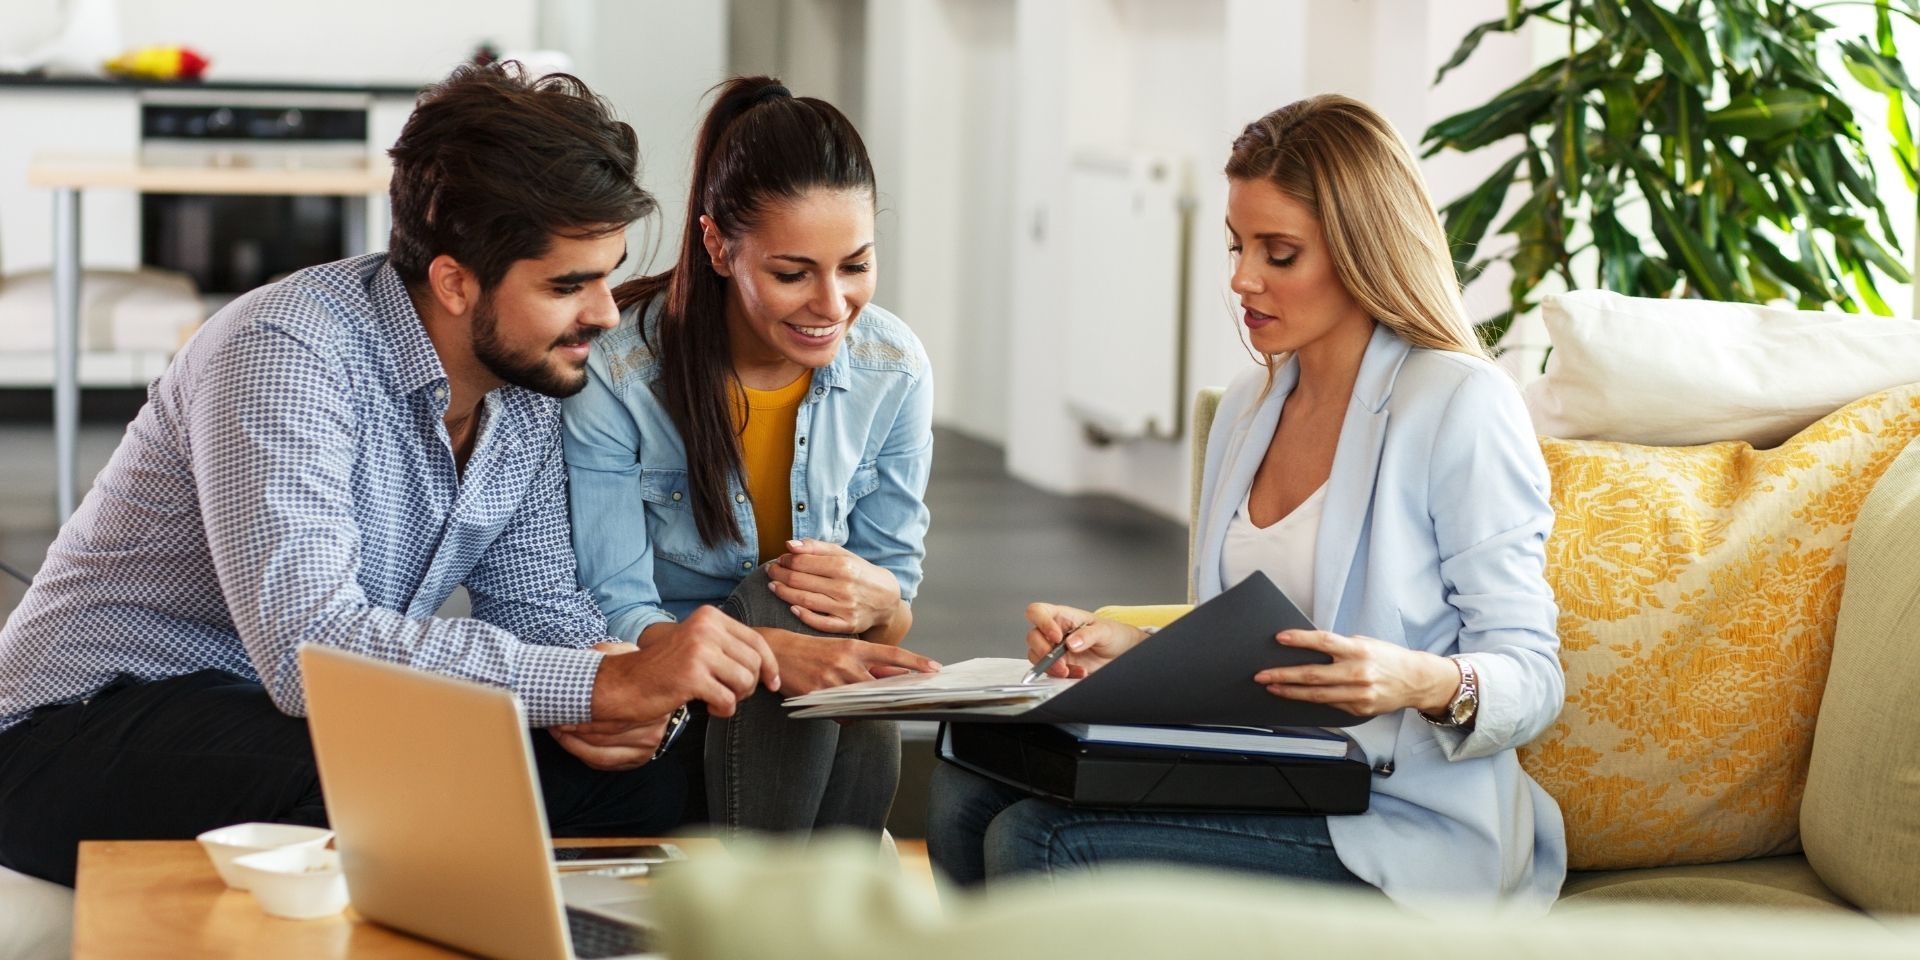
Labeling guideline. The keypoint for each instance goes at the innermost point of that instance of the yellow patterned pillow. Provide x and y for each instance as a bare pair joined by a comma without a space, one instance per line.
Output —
1698,588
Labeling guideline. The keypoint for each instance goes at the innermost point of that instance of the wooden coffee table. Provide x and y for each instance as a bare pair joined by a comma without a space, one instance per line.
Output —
161,898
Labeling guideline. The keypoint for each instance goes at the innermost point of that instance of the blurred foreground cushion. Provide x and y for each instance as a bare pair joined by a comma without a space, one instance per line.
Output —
832,900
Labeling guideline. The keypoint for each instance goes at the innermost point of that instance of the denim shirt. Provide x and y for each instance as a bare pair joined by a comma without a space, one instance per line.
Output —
863,448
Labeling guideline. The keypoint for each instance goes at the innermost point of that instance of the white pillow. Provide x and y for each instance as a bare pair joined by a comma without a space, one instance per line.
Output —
1681,372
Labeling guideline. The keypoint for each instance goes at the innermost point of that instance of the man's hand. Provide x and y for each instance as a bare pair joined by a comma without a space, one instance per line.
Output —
815,663
709,657
832,589
611,745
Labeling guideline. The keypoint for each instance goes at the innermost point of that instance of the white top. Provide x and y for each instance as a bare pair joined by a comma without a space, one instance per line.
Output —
1282,551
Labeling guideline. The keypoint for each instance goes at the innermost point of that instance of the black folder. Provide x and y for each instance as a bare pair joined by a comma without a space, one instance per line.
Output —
1048,762
1197,669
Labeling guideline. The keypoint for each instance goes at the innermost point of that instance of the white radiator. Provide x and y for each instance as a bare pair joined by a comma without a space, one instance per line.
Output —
1126,233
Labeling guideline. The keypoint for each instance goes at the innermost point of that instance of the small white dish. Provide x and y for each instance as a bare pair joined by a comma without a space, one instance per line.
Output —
297,883
227,843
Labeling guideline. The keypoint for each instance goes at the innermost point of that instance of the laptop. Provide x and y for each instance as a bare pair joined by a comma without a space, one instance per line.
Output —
435,804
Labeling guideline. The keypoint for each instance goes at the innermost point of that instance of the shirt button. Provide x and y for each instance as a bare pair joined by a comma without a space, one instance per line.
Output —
746,564
819,391
800,507
739,498
676,496
439,393
803,441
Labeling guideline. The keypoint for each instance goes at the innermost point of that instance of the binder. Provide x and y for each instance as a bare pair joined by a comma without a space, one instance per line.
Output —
1050,763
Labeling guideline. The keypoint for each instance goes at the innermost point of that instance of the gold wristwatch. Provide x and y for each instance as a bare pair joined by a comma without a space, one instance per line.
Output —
1460,710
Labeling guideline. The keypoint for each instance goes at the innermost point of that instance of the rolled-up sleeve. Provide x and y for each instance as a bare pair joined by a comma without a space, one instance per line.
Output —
274,454
1491,514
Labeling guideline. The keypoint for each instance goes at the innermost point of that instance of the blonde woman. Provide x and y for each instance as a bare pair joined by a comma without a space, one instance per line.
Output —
1384,474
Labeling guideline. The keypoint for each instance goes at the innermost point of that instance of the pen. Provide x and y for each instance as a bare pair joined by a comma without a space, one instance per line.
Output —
1052,656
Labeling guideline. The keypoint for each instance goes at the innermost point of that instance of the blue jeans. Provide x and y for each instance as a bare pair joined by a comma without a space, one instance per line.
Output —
767,772
978,830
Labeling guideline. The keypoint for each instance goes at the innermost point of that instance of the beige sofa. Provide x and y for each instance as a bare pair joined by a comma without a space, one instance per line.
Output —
1854,891
1860,813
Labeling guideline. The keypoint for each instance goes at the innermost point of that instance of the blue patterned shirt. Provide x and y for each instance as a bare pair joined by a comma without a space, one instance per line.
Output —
290,481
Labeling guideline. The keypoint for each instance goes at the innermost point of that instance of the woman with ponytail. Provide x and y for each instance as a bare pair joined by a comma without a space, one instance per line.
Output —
756,436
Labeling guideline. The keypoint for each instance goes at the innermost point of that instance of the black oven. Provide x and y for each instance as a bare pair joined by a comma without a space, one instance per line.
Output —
232,243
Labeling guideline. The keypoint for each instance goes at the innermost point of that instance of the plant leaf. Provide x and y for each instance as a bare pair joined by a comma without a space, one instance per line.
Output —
1681,242
1620,254
1516,18
1514,111
1738,44
1763,116
1682,46
1467,218
1788,270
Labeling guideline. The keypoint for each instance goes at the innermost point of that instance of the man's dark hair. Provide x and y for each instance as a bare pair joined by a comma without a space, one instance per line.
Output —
493,164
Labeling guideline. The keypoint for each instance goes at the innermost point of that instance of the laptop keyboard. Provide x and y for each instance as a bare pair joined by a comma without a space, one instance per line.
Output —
597,936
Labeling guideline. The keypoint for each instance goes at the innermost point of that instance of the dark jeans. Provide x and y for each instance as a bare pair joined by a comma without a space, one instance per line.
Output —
173,758
768,773
979,830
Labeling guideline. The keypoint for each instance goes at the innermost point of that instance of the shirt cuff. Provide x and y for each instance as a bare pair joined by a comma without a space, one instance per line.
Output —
628,627
1498,714
556,683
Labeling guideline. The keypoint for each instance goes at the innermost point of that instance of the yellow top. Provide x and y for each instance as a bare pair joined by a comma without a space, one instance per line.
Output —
766,453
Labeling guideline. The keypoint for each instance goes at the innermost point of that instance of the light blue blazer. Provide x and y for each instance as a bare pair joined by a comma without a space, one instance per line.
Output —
1433,536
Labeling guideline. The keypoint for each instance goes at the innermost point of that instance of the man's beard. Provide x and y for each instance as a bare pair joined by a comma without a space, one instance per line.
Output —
540,373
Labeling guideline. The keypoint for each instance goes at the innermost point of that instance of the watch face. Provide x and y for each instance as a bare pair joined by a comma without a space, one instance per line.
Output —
1463,709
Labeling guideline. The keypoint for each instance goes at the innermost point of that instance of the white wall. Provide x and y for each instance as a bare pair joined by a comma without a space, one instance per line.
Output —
1171,76
345,40
654,60
938,96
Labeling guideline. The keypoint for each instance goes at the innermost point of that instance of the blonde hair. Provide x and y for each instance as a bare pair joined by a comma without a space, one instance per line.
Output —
1347,165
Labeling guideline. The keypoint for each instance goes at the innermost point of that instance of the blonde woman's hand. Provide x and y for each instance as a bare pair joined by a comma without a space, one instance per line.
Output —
1092,645
1367,677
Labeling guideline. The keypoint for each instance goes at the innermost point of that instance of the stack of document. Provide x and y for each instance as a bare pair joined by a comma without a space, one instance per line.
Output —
1282,741
982,687
1199,669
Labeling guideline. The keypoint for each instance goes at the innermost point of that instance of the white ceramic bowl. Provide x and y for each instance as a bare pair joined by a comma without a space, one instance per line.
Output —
296,882
226,843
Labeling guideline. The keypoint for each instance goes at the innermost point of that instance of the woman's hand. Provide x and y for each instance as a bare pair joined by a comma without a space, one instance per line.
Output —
1367,677
832,589
815,663
1092,644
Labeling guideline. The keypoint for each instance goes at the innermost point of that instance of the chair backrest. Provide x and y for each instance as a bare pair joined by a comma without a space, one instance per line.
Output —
1206,402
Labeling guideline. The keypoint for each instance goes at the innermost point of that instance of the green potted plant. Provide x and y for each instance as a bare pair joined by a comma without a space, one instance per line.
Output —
1687,148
